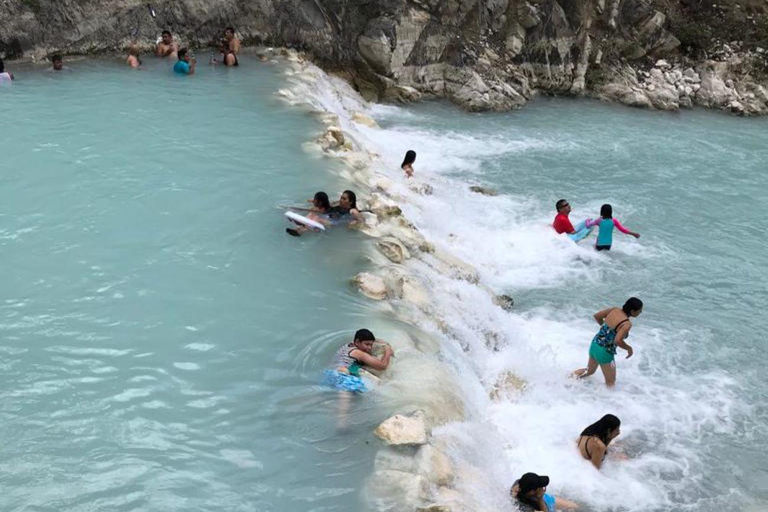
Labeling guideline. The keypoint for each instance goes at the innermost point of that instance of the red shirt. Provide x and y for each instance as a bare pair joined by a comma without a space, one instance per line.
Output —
562,224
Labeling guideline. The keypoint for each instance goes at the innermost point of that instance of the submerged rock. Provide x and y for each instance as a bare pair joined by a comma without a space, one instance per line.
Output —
483,190
505,302
435,464
363,119
506,385
393,249
371,286
396,490
403,430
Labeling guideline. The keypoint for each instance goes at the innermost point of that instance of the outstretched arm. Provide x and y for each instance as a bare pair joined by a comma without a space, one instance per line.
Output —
624,230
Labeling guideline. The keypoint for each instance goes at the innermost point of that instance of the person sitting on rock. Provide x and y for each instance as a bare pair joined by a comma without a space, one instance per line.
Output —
407,165
5,76
530,493
167,47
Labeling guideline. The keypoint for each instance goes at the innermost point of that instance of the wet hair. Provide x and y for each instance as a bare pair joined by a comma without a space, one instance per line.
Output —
230,29
364,335
321,200
166,33
56,57
602,428
559,204
133,50
182,53
606,211
2,66
410,157
632,304
352,198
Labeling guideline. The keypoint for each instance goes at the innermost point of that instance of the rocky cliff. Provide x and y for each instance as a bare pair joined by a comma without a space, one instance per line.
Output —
482,54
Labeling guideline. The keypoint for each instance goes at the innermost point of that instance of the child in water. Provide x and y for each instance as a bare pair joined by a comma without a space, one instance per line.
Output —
321,206
407,165
605,224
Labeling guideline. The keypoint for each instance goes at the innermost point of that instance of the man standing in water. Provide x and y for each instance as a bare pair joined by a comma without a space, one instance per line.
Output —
231,47
562,223
185,65
167,46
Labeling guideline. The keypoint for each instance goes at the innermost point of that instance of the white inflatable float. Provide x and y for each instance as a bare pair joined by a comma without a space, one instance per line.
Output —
306,221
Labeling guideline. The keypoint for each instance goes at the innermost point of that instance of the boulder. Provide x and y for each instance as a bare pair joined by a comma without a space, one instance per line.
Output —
450,265
403,430
363,119
691,75
396,490
435,464
371,286
713,91
505,302
663,64
411,290
483,190
508,384
393,249
397,458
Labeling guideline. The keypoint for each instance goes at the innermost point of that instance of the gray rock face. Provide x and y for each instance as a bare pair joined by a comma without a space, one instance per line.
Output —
482,54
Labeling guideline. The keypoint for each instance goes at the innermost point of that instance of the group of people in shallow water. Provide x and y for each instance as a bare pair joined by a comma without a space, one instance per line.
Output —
344,211
530,490
229,47
353,359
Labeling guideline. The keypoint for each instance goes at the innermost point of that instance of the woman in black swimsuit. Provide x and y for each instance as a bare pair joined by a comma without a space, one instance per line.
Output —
593,442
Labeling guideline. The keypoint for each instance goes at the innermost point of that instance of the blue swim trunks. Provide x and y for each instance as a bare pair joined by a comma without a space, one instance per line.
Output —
344,381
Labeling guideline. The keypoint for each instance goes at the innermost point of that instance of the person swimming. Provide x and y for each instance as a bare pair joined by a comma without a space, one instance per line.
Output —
605,224
321,206
615,325
346,210
594,440
530,491
407,165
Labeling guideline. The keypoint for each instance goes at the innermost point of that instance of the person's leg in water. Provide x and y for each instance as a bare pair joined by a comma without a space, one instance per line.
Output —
586,372
609,372
298,230
342,410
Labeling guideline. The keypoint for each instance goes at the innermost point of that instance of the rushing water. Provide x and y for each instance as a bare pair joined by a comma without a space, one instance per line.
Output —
692,402
162,337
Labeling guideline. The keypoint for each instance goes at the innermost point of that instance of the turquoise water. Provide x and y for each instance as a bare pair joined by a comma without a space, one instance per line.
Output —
691,400
162,337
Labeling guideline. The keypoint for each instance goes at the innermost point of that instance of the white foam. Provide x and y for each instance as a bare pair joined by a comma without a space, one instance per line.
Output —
664,408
